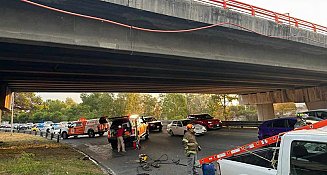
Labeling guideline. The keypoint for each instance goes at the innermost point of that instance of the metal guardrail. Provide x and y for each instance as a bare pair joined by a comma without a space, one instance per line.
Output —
242,123
47,135
279,18
230,123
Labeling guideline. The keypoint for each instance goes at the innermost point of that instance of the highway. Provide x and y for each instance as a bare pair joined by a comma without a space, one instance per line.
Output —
160,143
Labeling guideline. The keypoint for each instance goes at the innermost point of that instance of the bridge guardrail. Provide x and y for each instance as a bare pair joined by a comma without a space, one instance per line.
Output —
47,135
241,123
279,18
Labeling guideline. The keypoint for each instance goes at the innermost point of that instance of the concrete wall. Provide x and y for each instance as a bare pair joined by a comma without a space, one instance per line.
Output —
20,21
265,111
312,96
193,10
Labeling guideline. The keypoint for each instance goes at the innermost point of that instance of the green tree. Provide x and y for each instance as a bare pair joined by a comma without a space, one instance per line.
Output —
106,104
174,106
27,101
40,116
55,106
119,105
149,104
133,104
197,103
56,116
23,118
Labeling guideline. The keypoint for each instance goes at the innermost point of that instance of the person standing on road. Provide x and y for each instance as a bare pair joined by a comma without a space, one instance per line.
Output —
191,147
299,122
120,139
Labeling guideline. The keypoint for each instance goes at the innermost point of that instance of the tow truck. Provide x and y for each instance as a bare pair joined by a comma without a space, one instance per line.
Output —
302,151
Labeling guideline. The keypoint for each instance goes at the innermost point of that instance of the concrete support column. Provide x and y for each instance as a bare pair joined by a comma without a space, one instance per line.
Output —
316,105
265,111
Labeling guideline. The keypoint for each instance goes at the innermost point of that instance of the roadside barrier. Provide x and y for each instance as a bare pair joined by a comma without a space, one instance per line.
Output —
47,135
240,124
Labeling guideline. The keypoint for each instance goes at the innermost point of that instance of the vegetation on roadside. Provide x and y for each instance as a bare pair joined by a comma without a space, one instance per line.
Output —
31,108
23,154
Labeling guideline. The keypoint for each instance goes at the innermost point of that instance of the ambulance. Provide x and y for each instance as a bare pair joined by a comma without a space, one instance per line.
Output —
85,127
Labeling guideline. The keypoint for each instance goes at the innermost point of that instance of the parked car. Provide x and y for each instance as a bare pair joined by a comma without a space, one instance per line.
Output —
29,125
275,126
134,127
205,120
313,116
47,126
178,127
153,123
35,128
55,128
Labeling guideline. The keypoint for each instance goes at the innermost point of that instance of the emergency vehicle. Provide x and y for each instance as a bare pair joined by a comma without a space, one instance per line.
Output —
135,128
85,127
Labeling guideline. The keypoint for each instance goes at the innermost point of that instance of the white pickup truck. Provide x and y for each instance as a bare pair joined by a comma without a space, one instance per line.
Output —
302,152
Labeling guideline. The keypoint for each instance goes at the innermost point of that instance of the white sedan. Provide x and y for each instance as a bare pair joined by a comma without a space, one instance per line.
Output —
178,127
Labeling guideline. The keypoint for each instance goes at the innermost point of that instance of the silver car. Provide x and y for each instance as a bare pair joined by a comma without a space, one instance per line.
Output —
178,127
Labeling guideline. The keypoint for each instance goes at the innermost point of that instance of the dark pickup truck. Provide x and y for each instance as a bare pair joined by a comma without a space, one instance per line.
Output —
153,123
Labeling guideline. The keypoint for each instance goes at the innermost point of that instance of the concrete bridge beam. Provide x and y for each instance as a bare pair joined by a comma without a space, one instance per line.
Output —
316,105
265,111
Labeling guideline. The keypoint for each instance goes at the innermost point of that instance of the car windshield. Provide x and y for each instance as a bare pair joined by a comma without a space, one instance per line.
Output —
202,116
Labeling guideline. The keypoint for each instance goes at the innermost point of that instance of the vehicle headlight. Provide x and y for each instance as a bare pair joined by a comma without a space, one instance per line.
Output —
209,122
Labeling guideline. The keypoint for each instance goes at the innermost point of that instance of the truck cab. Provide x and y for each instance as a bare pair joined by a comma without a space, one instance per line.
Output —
302,152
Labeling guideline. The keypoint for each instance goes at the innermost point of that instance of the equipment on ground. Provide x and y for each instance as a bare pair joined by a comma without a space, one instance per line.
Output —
143,158
208,169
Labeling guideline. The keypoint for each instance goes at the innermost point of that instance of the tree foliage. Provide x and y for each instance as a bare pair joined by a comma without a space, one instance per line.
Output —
31,108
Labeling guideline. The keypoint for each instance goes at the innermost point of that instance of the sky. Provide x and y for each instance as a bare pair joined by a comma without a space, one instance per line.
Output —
310,10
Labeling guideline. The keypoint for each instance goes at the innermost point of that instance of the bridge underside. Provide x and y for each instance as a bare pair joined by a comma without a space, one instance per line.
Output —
46,51
64,68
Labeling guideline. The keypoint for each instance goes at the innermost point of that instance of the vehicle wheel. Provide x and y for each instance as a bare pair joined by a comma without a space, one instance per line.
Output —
114,145
91,133
160,129
101,133
170,132
64,135
48,130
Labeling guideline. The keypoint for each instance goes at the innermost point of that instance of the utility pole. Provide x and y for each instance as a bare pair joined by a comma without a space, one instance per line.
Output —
224,106
0,116
12,111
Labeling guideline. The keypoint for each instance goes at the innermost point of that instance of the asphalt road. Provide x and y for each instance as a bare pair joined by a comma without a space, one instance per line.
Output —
212,142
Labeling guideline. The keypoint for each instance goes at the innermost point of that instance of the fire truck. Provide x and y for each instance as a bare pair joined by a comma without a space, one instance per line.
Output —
85,127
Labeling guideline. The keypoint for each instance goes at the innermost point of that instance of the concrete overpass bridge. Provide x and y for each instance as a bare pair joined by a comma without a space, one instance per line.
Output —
158,46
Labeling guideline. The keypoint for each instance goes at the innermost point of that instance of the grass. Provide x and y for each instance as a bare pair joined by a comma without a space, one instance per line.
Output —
23,154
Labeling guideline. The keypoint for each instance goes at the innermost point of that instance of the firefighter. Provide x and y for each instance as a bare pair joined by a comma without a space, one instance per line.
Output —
120,139
300,122
191,149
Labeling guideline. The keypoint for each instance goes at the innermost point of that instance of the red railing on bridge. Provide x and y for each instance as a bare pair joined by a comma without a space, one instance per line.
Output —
279,18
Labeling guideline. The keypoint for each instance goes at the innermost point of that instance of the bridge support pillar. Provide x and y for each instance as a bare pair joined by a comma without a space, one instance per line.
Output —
265,111
316,105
